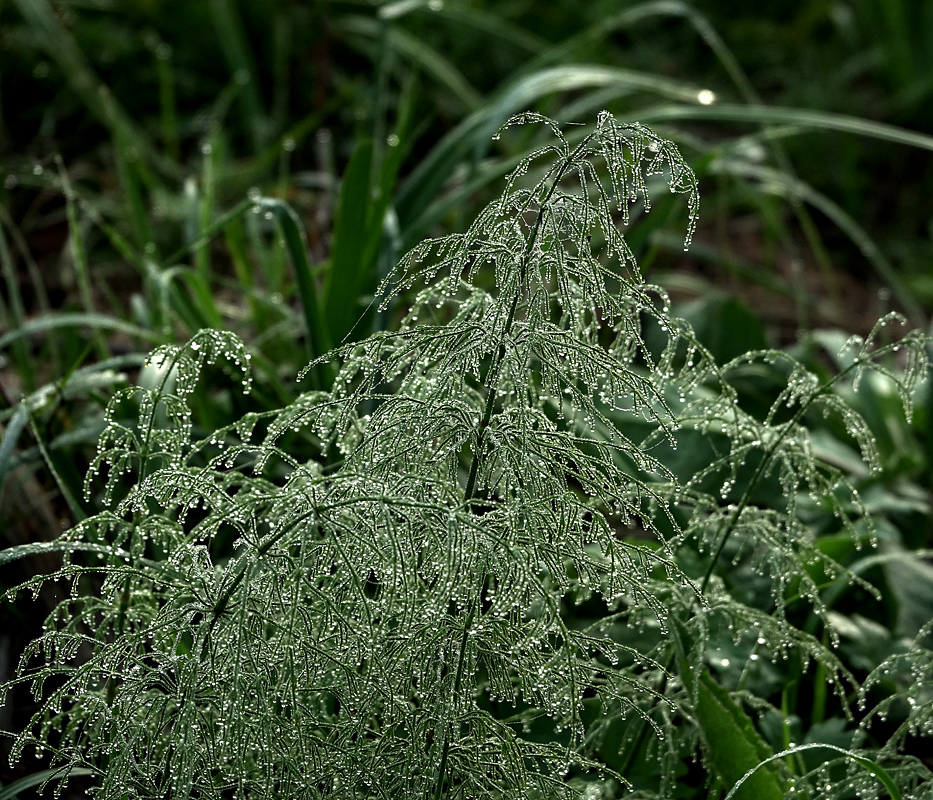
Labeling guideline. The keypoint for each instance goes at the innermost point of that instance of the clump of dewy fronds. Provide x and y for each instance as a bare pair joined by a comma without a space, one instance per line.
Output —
393,621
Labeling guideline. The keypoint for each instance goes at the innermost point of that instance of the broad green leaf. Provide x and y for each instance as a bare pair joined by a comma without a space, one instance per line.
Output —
733,744
911,582
725,326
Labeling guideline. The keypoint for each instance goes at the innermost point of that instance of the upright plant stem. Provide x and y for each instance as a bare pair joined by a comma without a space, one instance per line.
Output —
490,381
760,470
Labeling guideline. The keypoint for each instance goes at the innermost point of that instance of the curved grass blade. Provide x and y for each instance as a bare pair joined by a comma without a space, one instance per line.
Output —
98,376
12,791
76,319
462,15
819,120
873,768
585,40
476,131
9,554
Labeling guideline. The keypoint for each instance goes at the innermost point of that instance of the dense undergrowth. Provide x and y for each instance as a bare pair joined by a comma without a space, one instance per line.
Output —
268,181
392,618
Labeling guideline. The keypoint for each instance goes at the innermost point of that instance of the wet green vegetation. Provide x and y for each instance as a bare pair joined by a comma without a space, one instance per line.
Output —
560,508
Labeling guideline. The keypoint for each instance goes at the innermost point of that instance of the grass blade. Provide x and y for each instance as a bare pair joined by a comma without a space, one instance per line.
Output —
10,437
779,182
293,233
77,512
84,82
350,270
488,24
819,120
130,177
210,151
201,299
167,104
235,47
16,312
79,257
235,239
419,53
75,319
12,791
206,233
476,131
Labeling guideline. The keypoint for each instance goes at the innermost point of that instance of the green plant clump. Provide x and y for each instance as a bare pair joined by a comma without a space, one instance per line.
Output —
493,583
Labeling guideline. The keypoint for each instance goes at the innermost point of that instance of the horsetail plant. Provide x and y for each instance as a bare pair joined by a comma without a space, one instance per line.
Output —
395,619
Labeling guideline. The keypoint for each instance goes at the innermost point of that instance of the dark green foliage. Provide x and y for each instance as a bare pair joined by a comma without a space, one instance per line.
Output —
495,567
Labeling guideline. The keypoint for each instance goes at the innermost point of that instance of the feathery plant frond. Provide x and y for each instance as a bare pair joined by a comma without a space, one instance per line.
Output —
394,624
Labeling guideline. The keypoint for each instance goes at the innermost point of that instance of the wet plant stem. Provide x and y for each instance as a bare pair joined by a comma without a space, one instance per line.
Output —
491,380
642,731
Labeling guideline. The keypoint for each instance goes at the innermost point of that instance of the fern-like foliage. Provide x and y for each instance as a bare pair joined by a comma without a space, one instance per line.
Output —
394,624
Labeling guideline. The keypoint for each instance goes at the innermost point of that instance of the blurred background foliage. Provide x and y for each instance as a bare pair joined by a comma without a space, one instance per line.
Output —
258,165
